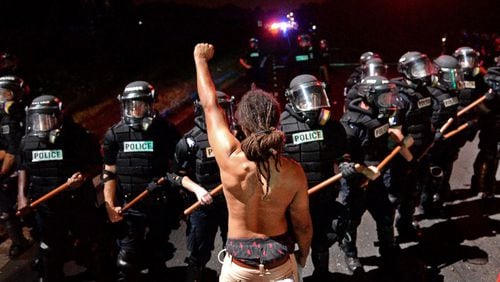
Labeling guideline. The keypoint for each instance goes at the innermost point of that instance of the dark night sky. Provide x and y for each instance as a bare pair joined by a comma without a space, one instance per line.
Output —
265,4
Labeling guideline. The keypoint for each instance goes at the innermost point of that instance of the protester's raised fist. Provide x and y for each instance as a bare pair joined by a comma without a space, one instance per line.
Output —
204,51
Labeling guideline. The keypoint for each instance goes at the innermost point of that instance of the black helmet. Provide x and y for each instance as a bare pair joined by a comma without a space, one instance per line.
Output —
367,56
12,88
253,43
416,67
448,72
137,104
308,98
44,116
8,63
468,59
379,92
374,67
304,40
224,100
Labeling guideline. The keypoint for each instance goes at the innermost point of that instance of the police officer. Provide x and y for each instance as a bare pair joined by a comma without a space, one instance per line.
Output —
304,59
254,62
474,87
356,76
137,150
414,117
315,141
194,157
325,59
486,162
12,118
55,150
366,123
443,153
371,67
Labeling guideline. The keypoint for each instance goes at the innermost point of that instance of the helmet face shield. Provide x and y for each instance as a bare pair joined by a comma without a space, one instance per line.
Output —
375,70
451,78
468,60
309,96
41,123
386,97
5,95
135,108
422,68
137,113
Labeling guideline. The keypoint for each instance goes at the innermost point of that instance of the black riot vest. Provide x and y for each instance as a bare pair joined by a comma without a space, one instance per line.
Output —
49,165
474,87
205,168
417,115
135,161
445,105
371,132
312,146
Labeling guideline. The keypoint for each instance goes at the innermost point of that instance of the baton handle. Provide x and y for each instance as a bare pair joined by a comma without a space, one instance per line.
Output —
196,205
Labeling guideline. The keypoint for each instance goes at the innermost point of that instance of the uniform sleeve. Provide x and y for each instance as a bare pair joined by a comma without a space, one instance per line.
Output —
109,148
20,159
14,132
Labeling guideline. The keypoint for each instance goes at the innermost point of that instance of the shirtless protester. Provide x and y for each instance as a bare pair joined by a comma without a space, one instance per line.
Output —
260,186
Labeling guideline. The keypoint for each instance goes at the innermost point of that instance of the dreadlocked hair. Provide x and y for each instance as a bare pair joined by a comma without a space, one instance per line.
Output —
259,113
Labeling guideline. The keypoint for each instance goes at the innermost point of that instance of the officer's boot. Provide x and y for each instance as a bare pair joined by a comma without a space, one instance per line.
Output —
483,180
14,229
194,273
388,249
320,260
348,246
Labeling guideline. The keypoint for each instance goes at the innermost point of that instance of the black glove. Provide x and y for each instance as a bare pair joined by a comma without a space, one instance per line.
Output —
347,169
153,185
174,179
438,136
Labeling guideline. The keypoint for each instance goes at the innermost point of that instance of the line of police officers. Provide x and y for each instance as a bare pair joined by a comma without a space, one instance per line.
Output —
141,151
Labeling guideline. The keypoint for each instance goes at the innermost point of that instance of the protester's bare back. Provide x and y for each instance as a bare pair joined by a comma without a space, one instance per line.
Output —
252,213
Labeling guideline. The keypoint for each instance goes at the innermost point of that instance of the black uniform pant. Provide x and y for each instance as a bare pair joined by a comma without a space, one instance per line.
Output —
203,226
70,226
486,162
143,239
374,198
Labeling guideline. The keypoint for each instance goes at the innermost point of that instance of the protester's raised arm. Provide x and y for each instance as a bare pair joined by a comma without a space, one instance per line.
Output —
220,138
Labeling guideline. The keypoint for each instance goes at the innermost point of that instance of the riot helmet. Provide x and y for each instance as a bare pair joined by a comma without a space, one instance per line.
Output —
449,74
8,63
379,93
304,41
12,89
137,104
307,97
374,67
227,104
367,56
253,43
323,44
44,117
468,59
417,68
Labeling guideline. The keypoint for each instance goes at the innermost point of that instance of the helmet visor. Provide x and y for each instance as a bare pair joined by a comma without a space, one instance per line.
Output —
452,78
309,96
388,97
467,61
375,70
422,68
42,122
135,108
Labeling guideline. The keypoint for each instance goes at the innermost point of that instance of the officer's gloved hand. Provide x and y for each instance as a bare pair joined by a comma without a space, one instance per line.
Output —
438,136
347,169
174,179
153,185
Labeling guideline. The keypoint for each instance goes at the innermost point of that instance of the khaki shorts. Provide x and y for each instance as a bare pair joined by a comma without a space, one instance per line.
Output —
232,272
